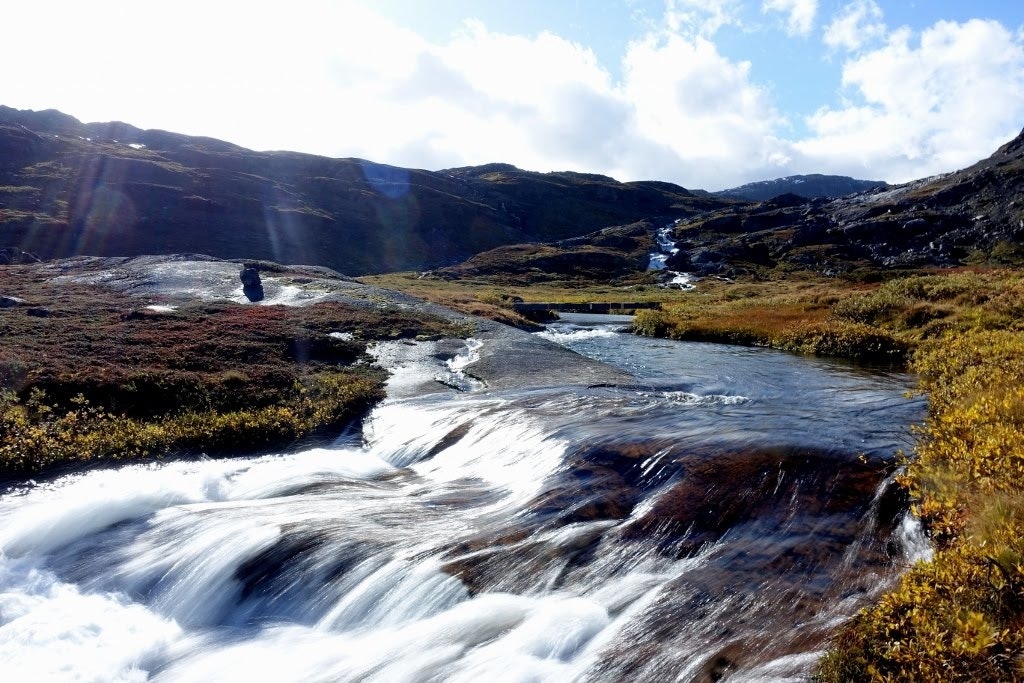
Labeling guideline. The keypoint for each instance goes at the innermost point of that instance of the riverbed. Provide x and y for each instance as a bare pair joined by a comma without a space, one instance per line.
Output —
711,518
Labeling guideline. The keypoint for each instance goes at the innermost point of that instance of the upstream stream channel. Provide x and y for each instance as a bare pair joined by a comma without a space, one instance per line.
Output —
713,520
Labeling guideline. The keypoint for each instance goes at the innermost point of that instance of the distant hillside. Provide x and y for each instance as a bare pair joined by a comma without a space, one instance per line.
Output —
808,186
111,189
969,216
603,255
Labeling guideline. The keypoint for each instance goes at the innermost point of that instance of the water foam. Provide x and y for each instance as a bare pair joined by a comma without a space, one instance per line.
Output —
566,337
52,631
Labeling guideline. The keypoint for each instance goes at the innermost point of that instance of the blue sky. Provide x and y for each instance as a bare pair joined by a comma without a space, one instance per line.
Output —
705,93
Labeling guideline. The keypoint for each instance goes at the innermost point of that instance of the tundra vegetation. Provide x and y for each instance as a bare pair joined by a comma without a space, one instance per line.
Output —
959,616
102,377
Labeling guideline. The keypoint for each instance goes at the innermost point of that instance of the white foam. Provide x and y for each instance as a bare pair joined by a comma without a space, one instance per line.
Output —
687,398
568,337
49,517
914,540
457,375
50,631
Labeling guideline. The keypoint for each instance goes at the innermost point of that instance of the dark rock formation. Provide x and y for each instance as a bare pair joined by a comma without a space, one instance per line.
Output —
15,256
11,302
250,277
252,286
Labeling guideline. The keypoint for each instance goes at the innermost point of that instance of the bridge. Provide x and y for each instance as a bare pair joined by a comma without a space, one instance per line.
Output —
623,307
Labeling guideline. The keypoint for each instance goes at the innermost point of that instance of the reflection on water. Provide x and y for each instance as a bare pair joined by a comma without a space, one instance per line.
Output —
712,522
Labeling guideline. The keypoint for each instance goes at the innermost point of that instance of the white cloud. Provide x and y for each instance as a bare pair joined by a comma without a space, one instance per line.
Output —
924,106
700,17
703,107
858,24
801,14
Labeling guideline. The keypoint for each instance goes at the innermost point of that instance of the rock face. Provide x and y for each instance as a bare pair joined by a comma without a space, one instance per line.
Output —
112,189
15,256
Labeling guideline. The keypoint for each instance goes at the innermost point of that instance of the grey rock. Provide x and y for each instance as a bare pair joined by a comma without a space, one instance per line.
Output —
11,302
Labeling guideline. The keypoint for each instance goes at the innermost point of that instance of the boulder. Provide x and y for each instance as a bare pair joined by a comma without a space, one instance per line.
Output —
252,286
11,301
250,278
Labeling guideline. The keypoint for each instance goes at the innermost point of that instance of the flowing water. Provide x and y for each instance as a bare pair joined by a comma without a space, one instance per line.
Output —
658,260
712,522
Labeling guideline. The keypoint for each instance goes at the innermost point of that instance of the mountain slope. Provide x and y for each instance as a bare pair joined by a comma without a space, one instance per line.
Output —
808,186
111,189
967,216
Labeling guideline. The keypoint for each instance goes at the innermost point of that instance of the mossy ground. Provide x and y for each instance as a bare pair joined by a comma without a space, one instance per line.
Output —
104,378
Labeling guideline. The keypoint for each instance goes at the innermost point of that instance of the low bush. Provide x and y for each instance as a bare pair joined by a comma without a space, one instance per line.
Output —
960,616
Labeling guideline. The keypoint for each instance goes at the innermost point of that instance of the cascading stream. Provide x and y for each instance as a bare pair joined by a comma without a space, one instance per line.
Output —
658,259
712,522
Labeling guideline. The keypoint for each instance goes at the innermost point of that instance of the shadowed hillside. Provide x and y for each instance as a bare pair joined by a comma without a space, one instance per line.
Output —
70,188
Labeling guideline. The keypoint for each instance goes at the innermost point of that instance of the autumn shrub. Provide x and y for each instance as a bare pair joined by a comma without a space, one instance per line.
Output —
35,435
960,616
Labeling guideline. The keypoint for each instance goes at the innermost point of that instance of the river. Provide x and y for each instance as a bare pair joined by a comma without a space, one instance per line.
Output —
712,521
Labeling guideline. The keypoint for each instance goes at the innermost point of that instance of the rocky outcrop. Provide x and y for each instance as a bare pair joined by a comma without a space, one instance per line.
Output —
15,256
603,255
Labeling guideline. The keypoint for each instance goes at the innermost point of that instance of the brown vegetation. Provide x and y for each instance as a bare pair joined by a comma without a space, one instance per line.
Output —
103,377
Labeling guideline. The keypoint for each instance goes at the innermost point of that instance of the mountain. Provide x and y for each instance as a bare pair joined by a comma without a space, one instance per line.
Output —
972,215
808,186
111,189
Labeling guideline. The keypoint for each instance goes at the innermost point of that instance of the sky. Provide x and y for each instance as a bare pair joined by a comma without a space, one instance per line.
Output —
705,93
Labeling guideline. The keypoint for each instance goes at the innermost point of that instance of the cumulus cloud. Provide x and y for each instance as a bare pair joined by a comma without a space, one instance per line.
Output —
702,106
800,14
924,103
857,24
